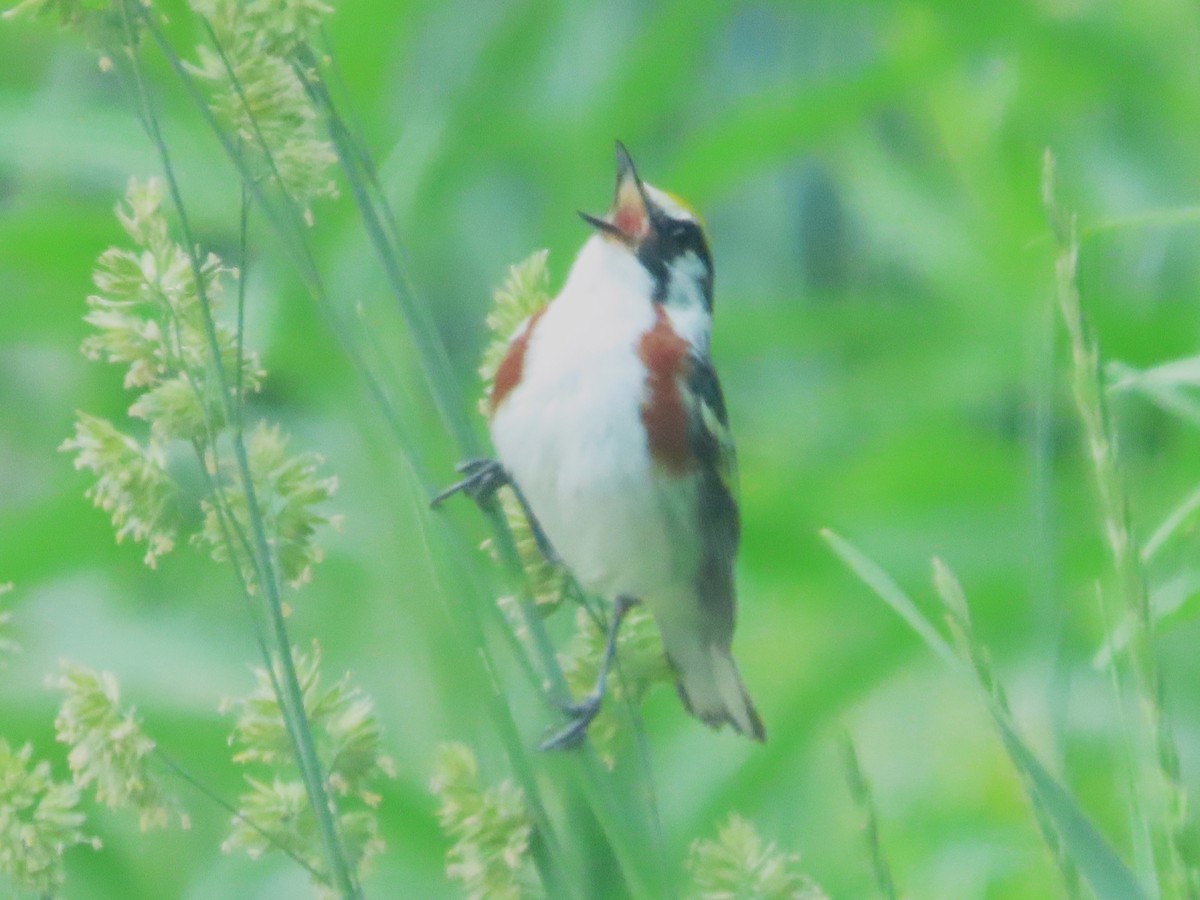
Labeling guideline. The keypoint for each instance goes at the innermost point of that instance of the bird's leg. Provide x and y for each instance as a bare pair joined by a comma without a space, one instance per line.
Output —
585,710
535,528
483,477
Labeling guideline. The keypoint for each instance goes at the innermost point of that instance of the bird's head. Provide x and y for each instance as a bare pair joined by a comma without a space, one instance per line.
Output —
662,232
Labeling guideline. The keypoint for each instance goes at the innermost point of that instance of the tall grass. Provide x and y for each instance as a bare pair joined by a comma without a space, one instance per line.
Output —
1082,854
588,831
1074,842
630,828
279,661
1169,819
860,791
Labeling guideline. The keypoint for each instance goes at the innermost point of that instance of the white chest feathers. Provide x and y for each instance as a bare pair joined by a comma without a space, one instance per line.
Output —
571,434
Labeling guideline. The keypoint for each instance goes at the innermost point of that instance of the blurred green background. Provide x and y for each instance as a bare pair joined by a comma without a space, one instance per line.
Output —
870,176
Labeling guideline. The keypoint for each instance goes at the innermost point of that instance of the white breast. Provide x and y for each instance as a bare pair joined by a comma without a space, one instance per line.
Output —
571,435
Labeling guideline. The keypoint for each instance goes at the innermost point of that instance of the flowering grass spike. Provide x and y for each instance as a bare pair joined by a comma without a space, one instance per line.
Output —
525,290
491,829
642,665
739,863
289,490
149,316
132,484
109,751
256,90
275,812
39,821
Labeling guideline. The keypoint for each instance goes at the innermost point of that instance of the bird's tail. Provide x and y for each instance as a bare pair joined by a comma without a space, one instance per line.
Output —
709,684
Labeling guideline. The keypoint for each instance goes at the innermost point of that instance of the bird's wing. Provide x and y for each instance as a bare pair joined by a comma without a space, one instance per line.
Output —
712,443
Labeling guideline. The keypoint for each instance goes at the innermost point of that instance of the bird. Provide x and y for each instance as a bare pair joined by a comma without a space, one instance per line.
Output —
609,424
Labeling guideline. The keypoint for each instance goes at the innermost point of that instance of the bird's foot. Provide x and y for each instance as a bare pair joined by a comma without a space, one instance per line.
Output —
572,734
482,478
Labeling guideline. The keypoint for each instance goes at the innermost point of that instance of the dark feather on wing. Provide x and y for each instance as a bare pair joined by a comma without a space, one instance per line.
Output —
712,445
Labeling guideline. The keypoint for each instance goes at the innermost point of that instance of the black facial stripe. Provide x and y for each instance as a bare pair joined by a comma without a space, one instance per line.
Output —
656,265
668,240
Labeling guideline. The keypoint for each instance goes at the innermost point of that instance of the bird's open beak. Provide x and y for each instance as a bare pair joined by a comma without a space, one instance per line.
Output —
629,219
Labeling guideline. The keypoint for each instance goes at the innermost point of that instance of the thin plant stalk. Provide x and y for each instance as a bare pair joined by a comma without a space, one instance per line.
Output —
1139,824
1170,525
433,360
432,355
860,791
1090,402
286,226
1065,827
291,696
958,616
187,777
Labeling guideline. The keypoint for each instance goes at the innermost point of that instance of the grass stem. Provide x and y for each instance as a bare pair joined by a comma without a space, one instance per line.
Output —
1172,865
290,698
860,791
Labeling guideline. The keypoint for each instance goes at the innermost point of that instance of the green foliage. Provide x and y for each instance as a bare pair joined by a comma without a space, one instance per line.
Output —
109,751
1176,866
277,813
256,91
1068,832
39,821
860,790
100,21
132,484
289,490
490,829
739,865
156,313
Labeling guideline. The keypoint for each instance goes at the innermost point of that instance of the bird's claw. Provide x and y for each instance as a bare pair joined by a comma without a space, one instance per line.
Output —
583,709
483,477
572,734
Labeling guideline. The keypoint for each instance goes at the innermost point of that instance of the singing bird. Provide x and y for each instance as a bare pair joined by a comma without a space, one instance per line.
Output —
609,423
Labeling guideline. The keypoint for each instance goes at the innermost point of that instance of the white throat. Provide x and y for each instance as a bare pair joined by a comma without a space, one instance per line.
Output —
685,302
609,292
608,278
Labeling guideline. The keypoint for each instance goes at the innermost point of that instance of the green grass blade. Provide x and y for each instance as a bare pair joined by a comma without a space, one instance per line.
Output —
1166,601
1171,524
1094,857
861,792
1098,863
1169,396
1174,865
891,593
